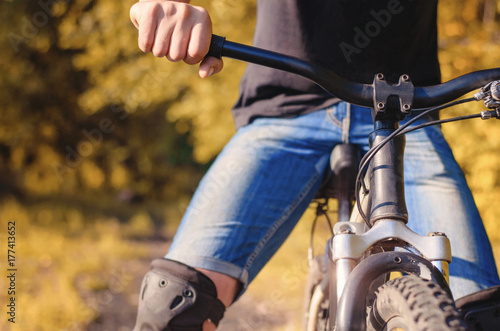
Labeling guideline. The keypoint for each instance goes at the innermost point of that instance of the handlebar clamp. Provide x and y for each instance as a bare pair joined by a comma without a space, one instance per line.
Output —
384,92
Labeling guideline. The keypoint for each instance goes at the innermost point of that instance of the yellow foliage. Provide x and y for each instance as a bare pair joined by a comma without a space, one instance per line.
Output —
17,158
453,29
140,225
119,177
39,178
91,174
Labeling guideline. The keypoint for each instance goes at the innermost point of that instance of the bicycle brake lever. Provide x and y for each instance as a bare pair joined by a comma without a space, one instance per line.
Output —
490,94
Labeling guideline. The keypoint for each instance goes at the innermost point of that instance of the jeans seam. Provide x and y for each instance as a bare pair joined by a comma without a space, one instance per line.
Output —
282,219
332,117
346,124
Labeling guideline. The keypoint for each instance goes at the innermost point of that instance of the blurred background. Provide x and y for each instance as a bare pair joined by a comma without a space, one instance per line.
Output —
101,147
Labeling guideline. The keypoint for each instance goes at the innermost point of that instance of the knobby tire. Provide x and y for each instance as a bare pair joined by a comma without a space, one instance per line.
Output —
411,303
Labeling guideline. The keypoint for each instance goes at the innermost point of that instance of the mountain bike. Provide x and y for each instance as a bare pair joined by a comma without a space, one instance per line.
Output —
350,287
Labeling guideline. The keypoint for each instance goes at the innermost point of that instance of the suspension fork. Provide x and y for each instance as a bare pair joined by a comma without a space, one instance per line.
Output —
386,201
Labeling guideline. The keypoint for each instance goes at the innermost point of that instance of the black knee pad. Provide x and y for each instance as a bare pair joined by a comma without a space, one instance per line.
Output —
176,297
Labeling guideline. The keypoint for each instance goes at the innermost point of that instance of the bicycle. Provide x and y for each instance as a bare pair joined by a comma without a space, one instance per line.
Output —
374,241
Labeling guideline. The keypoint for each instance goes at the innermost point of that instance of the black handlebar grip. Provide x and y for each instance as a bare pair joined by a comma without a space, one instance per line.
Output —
216,46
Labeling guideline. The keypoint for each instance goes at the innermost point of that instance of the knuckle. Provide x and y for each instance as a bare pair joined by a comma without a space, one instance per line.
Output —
155,8
184,11
170,8
189,60
145,44
177,51
196,55
175,56
203,13
157,53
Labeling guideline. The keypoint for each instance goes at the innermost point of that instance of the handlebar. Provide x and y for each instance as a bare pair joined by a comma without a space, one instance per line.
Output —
355,93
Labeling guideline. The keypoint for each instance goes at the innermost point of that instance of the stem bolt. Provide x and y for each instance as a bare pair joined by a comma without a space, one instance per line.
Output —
436,234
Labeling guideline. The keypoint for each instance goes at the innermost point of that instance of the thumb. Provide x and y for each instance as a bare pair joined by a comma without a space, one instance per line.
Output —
210,66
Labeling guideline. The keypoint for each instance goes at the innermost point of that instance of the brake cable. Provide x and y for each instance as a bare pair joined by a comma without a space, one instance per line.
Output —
484,115
448,120
321,209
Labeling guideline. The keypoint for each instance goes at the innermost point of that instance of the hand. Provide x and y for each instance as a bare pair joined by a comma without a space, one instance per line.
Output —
176,30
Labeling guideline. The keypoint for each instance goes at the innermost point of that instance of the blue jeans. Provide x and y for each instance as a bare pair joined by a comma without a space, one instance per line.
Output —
264,179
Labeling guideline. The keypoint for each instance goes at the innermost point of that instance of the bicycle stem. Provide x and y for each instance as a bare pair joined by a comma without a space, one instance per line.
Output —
387,199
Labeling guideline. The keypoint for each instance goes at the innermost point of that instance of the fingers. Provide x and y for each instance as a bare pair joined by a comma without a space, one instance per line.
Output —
162,40
178,44
199,44
134,15
146,24
172,29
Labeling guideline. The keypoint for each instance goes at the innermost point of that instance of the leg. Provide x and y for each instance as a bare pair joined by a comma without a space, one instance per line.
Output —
227,286
251,199
240,213
227,289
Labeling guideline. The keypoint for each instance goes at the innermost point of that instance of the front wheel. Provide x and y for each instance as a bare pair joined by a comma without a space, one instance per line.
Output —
411,303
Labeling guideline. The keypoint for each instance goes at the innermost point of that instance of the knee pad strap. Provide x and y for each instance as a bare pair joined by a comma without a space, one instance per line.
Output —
176,297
